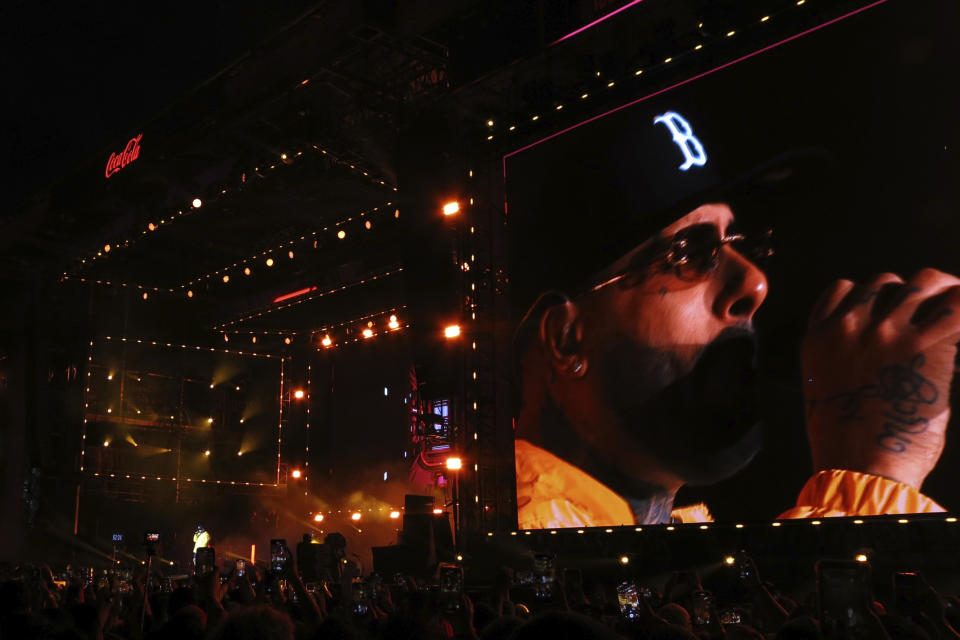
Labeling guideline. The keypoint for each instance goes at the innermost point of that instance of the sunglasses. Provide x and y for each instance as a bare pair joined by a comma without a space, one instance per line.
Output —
690,256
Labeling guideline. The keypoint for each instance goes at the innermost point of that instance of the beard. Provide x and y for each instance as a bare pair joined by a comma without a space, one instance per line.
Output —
694,409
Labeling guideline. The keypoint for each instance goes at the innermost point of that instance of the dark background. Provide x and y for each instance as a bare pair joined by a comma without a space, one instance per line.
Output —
874,91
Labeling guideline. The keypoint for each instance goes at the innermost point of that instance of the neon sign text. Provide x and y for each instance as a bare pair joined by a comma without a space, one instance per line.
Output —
130,153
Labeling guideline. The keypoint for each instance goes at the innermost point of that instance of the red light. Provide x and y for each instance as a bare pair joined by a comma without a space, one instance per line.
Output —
454,463
451,208
452,331
293,294
130,153
437,512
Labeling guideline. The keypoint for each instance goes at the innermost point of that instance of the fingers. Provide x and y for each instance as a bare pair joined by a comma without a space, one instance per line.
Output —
942,322
829,300
929,301
859,302
922,286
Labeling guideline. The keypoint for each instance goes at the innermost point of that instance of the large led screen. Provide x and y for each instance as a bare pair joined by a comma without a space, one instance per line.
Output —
735,299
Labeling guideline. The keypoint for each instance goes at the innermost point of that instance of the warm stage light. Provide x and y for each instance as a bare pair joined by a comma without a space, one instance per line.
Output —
452,331
110,376
207,452
269,262
454,463
152,227
624,560
246,271
189,294
209,420
298,394
326,341
290,254
437,512
355,517
729,560
239,453
286,340
253,554
394,515
451,208
106,443
106,248
318,517
197,203
145,295
253,339
368,225
341,234
368,333
211,385
861,557
226,279
295,473
393,323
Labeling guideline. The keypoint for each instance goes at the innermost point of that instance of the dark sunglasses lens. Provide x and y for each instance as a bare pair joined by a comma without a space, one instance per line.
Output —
759,247
694,251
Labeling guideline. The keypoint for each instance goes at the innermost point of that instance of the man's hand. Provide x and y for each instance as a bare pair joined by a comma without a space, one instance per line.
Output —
878,360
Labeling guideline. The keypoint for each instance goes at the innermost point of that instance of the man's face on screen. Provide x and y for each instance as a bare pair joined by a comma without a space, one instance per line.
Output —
669,339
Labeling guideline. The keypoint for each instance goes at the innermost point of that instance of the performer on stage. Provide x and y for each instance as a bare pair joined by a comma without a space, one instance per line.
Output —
201,538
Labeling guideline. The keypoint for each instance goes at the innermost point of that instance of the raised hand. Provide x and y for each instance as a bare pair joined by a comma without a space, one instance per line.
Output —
878,360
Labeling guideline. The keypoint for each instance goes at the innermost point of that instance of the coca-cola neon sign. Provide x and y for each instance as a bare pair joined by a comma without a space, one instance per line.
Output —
118,161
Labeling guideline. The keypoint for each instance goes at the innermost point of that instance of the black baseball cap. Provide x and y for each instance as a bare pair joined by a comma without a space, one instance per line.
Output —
571,214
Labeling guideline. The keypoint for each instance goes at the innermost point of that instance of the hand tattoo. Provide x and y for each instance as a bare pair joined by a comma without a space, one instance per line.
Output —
904,390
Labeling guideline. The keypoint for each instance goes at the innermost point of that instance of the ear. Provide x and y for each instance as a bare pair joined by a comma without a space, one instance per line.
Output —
561,334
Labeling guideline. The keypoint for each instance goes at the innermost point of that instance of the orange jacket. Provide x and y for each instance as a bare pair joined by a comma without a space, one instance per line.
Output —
552,493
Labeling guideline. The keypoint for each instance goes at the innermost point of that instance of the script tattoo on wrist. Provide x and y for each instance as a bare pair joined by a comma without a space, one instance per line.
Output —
903,390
